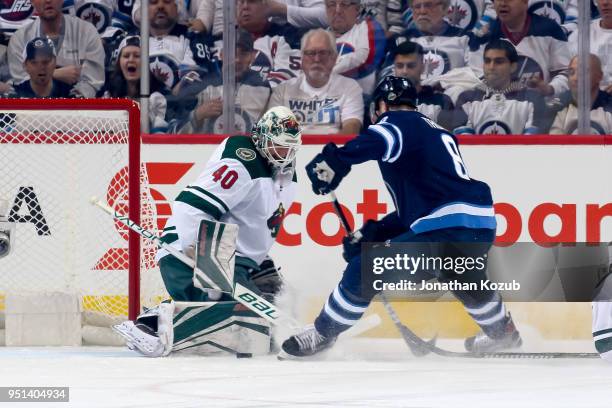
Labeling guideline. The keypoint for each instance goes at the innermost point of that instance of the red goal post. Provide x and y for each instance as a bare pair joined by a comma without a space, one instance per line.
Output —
54,155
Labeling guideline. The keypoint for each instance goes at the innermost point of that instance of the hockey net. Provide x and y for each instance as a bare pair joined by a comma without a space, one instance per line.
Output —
55,155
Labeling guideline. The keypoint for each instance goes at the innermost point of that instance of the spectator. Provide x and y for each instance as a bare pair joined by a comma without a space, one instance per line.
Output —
501,105
299,13
251,97
80,56
39,63
278,56
540,42
360,42
125,83
601,41
177,56
322,101
445,45
566,121
408,63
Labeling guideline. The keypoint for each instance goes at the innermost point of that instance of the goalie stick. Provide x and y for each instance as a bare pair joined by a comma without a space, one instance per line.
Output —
416,348
242,294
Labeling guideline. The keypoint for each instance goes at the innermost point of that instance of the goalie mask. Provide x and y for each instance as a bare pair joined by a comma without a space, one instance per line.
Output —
278,136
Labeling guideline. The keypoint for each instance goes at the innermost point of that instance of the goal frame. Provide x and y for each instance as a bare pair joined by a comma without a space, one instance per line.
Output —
134,142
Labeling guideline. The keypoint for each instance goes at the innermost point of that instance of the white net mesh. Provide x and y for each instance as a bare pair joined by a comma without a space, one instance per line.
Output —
51,163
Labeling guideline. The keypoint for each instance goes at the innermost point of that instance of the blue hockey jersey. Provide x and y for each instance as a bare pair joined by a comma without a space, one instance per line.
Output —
424,172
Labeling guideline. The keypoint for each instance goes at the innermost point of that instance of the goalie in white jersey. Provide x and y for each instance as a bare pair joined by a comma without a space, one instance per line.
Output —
249,182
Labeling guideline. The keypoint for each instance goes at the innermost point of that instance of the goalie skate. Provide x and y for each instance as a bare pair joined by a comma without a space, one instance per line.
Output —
305,344
140,338
482,343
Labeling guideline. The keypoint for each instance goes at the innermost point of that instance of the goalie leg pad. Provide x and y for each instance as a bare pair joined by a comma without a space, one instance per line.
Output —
206,328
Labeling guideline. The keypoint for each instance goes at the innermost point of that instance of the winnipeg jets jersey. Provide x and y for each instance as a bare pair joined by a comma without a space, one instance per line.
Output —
252,94
239,187
320,110
442,52
566,121
470,14
543,51
424,172
511,113
360,51
601,45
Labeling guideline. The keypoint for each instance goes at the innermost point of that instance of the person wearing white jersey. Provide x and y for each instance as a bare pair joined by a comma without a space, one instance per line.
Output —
80,55
601,41
324,102
249,182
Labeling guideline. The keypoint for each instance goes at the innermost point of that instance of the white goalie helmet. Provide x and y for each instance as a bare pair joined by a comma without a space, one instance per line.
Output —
278,136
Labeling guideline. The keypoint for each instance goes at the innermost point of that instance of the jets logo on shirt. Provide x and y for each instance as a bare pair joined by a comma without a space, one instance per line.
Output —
494,127
276,220
16,10
436,63
96,14
462,14
528,69
596,128
553,11
164,69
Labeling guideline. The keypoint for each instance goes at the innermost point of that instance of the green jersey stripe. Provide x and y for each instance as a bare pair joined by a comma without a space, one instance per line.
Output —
198,202
214,197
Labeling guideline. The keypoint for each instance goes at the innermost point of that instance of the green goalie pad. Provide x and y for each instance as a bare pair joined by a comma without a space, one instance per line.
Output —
206,328
215,255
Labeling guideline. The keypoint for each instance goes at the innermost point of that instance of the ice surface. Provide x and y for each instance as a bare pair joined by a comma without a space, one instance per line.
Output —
358,373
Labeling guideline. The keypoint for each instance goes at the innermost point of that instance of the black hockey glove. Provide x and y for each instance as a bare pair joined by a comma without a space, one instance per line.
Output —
351,245
326,170
268,279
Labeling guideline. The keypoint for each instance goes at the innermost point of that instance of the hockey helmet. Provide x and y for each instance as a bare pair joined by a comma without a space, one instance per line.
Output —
395,90
278,136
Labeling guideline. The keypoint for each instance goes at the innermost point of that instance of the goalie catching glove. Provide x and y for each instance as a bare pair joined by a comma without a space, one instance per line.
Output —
326,170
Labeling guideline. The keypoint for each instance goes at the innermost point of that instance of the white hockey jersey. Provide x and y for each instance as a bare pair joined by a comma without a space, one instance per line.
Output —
601,45
543,52
320,110
239,187
566,121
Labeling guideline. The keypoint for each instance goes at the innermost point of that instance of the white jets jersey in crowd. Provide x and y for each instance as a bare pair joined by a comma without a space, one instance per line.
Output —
250,101
566,120
278,53
602,319
320,110
360,50
239,187
510,113
470,14
601,45
167,54
543,51
564,12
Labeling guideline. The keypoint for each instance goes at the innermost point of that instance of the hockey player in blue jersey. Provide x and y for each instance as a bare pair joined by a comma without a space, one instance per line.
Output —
436,201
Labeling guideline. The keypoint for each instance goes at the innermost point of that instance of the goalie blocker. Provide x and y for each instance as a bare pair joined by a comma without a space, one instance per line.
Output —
204,318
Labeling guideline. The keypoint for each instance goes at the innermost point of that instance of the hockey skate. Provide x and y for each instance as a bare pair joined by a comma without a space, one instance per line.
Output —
482,343
305,344
140,338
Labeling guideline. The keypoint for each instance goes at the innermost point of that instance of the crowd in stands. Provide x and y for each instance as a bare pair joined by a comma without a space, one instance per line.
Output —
480,66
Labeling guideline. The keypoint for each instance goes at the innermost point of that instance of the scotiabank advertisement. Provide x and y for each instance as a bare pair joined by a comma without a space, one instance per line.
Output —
542,193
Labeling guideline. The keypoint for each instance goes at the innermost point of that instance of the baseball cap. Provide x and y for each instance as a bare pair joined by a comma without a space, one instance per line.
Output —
129,40
39,46
244,39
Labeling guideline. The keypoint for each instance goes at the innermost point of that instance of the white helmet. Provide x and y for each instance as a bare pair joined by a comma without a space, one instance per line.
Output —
278,136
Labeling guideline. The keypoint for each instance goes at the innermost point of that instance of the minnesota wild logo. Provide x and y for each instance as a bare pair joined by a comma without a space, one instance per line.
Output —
276,220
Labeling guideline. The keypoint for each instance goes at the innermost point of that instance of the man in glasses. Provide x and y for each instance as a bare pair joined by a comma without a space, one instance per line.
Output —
324,102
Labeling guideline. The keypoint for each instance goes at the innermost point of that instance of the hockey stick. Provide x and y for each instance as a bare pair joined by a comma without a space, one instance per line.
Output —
407,333
416,348
242,294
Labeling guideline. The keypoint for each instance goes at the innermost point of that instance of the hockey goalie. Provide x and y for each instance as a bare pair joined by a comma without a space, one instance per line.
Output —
227,221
